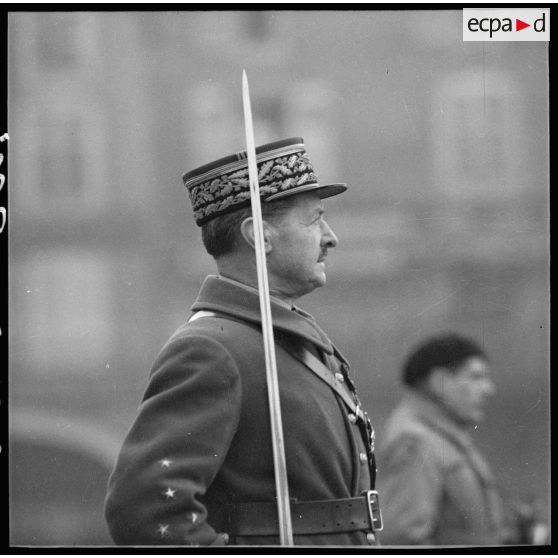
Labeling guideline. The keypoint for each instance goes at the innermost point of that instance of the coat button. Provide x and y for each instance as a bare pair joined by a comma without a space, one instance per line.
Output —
352,418
339,377
371,538
362,457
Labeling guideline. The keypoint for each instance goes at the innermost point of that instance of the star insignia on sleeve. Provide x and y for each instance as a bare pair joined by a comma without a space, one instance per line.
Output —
163,530
165,463
170,492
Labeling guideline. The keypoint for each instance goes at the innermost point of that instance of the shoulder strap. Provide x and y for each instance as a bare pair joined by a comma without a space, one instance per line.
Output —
307,358
315,365
202,314
325,374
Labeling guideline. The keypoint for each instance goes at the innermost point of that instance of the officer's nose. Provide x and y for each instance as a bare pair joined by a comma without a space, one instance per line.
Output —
329,238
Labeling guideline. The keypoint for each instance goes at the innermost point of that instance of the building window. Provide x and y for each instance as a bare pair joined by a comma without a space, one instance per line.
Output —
213,124
310,109
271,116
57,40
258,25
61,164
477,141
61,312
479,137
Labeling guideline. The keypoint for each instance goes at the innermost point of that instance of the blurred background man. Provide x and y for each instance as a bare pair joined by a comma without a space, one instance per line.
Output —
436,487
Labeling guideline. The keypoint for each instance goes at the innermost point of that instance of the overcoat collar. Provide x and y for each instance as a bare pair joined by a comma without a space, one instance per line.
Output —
435,417
219,294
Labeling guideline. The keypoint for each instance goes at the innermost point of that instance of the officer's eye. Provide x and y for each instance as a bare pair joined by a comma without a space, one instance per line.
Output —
319,217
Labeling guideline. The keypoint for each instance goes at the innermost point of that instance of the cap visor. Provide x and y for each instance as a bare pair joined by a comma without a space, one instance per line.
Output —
323,191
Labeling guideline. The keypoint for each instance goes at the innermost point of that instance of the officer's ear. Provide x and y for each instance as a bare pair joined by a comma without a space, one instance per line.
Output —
247,231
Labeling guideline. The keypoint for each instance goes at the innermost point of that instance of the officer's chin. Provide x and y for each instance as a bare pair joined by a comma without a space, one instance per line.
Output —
319,279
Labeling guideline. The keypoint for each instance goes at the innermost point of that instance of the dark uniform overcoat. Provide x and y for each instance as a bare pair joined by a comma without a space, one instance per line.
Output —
202,440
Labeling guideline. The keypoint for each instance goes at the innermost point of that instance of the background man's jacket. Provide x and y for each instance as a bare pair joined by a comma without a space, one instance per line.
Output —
436,488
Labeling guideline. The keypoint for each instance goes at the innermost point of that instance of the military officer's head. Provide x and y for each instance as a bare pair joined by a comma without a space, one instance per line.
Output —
296,234
455,372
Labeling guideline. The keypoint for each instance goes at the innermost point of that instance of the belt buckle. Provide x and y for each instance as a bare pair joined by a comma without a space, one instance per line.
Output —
374,511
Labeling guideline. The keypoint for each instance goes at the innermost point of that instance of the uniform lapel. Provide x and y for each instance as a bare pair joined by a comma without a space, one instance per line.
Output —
325,374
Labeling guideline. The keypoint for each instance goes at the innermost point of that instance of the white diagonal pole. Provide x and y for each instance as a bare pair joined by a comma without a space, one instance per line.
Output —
281,484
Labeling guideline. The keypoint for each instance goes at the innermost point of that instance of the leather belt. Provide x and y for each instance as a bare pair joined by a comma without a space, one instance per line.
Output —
317,516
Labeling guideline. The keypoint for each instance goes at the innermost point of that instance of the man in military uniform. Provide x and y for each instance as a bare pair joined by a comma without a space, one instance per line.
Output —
436,487
196,467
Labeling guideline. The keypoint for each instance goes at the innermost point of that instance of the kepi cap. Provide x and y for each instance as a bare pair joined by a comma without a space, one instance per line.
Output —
284,169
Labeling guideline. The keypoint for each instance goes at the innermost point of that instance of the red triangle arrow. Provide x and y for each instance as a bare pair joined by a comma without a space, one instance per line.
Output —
519,25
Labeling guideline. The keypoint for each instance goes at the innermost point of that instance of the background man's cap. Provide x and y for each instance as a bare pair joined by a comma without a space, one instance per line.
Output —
284,169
